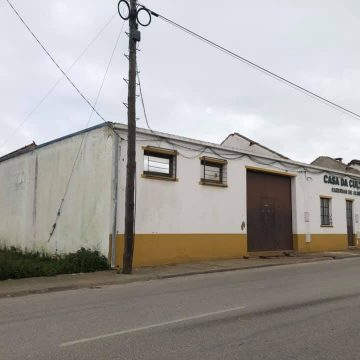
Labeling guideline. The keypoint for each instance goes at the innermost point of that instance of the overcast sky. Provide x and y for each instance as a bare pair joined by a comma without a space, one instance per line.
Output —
190,89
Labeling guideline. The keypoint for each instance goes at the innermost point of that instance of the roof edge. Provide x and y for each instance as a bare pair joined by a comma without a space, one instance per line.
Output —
233,150
230,149
15,153
255,143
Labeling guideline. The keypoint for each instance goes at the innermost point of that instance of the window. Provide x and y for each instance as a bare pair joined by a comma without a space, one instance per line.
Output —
159,163
213,171
325,211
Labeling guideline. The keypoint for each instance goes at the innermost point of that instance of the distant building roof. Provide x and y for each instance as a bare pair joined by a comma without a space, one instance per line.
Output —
20,151
354,162
241,142
336,164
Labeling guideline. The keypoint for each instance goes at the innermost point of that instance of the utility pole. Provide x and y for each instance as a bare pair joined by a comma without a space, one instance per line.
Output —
134,37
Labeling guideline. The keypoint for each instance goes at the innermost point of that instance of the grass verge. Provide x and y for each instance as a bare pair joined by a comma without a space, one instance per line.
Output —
16,264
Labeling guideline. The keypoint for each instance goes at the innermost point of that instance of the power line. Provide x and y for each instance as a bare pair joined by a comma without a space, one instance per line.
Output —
153,132
57,65
142,99
318,97
57,82
258,67
162,138
209,149
277,77
106,72
204,148
84,137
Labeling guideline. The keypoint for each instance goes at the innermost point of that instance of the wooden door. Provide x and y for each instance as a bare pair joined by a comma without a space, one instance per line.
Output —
350,222
269,212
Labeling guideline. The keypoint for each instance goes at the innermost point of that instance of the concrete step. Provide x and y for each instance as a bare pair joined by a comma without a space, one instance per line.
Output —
271,254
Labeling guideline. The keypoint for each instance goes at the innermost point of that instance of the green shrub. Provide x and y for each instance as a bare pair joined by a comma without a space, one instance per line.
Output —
16,264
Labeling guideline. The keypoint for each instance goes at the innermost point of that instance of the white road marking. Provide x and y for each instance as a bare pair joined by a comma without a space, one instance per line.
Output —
148,327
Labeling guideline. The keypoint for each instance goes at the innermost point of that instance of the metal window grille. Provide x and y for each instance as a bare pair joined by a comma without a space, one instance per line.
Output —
159,164
325,212
213,171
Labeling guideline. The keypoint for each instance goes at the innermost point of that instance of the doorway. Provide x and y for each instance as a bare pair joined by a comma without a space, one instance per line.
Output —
350,222
269,212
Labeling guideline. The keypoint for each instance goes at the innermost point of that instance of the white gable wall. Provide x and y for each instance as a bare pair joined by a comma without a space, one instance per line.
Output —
32,186
237,142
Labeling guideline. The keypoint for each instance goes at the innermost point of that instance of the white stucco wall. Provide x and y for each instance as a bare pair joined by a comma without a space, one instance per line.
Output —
315,188
32,186
185,206
309,188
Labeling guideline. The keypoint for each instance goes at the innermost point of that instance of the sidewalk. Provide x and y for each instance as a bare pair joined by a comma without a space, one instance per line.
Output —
21,287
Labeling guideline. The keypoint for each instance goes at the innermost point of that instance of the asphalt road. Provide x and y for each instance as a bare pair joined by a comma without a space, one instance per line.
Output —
304,311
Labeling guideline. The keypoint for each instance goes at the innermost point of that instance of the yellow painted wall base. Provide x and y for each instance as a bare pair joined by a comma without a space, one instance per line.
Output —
320,242
161,249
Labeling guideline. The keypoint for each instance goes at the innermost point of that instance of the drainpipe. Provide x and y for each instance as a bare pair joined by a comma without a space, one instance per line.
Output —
307,214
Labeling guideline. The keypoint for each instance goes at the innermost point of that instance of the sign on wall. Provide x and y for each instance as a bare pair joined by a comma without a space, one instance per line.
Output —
343,185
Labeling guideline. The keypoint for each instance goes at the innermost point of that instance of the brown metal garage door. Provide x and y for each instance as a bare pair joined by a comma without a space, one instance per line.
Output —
269,214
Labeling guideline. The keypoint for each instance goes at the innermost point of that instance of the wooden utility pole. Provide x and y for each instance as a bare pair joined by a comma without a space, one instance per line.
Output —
134,37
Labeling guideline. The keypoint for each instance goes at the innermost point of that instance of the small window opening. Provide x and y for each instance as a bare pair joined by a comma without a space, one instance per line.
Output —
325,212
213,171
159,163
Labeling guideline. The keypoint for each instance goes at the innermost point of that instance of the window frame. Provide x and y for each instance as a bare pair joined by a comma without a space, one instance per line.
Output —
221,164
326,212
162,153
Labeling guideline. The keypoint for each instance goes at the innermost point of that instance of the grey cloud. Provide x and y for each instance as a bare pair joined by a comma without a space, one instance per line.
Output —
191,89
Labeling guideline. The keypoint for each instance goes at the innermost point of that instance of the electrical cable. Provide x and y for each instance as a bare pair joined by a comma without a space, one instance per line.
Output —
167,140
247,61
267,72
142,99
253,158
57,65
46,95
226,157
209,42
200,151
258,67
84,137
161,137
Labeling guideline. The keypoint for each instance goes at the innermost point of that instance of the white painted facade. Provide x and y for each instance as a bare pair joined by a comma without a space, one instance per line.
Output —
33,184
185,206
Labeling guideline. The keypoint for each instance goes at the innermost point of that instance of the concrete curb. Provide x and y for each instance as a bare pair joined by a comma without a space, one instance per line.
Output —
259,266
201,272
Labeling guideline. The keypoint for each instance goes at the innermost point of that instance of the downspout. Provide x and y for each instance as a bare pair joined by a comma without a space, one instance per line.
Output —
307,215
115,182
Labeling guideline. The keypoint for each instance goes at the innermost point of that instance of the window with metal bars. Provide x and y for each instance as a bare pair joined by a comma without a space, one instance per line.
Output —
325,212
159,163
213,171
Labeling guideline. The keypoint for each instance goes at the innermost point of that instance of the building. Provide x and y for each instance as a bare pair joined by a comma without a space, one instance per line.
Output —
337,164
355,164
194,200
